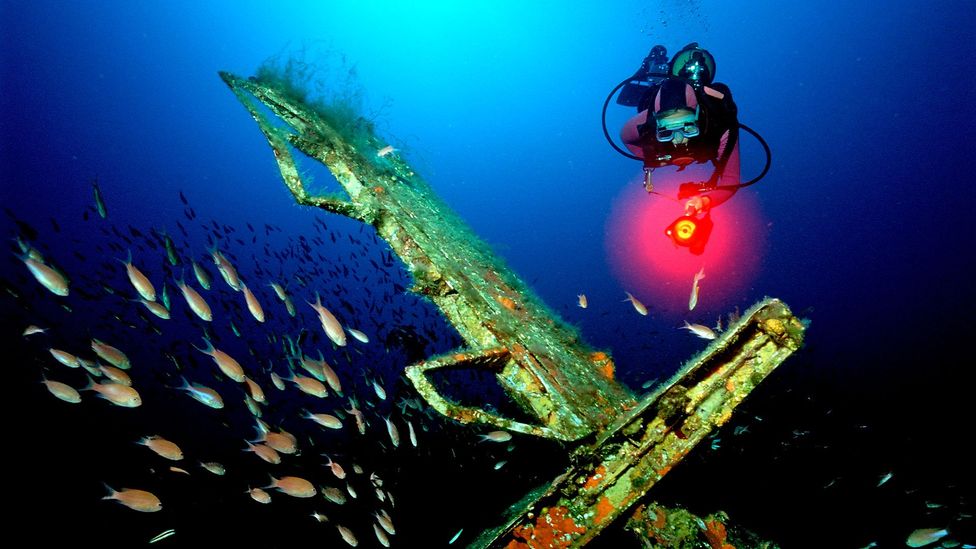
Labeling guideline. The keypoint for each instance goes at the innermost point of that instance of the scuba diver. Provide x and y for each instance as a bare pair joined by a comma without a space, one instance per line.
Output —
684,117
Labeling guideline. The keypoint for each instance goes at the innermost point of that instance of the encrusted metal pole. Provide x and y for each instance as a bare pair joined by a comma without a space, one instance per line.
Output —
566,387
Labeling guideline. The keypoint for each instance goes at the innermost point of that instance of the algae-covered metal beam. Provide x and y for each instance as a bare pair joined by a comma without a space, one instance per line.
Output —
565,386
612,473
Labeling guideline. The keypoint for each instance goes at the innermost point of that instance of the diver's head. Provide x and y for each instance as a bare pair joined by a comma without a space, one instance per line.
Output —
694,64
675,112
677,126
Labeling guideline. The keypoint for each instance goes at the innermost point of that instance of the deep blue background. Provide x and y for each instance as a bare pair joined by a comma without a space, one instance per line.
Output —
868,109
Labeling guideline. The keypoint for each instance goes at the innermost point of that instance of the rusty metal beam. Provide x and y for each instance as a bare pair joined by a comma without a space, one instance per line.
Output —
609,475
566,387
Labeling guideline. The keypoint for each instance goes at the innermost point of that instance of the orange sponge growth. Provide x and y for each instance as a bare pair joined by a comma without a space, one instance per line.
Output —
553,529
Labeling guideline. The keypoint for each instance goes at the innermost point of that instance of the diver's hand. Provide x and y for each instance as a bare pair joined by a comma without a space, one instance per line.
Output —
697,205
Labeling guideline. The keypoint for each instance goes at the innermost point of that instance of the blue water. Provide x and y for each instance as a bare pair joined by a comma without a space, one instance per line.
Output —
867,232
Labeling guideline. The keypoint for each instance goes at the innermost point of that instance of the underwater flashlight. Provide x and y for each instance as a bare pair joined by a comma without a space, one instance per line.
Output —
691,232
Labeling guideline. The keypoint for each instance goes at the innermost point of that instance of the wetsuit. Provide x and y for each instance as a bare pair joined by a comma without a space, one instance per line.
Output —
717,142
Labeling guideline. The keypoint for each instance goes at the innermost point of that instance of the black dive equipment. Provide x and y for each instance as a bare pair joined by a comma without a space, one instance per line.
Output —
693,64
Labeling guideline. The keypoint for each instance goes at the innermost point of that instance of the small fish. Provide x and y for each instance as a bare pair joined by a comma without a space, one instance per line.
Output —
162,447
203,278
51,279
319,517
500,464
64,357
117,394
325,420
63,391
92,367
347,535
376,480
278,290
385,151
638,306
296,487
330,376
32,329
202,394
99,202
138,280
280,441
264,452
171,256
230,367
703,332
309,386
361,337
195,301
226,269
163,535
379,390
155,308
350,490
413,434
392,431
165,296
358,415
253,305
337,469
214,467
581,301
385,521
277,382
116,375
138,500
256,392
925,536
456,536
381,536
885,478
110,354
259,495
334,495
693,299
180,470
496,436
330,324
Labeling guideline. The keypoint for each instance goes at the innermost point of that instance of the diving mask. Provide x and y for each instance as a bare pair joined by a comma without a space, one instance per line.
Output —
686,125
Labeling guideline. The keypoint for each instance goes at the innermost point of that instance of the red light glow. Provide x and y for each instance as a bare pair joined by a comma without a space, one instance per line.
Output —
648,264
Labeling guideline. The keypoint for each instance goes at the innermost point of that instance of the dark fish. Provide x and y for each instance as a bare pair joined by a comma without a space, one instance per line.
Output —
54,223
99,202
174,260
183,198
135,232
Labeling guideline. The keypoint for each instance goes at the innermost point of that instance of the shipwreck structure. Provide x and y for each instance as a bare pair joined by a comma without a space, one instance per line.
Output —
622,446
